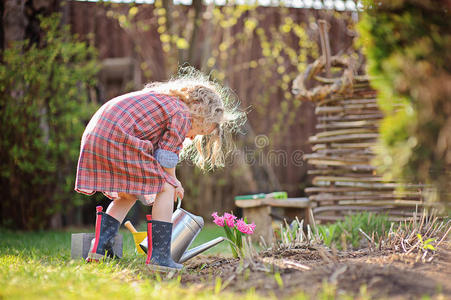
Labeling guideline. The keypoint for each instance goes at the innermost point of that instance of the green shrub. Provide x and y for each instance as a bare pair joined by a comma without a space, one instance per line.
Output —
43,110
407,43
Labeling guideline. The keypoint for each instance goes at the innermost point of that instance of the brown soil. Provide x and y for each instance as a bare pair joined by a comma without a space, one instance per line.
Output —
385,274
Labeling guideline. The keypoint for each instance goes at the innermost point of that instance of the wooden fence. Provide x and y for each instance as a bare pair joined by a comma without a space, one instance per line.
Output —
348,118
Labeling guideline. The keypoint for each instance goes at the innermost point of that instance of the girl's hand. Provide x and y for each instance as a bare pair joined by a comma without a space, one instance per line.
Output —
177,182
179,192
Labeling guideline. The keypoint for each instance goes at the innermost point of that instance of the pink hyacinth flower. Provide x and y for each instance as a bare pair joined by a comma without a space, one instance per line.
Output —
251,228
218,220
230,220
245,228
241,226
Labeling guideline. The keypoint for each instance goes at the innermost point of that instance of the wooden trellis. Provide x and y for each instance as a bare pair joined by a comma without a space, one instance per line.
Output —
347,131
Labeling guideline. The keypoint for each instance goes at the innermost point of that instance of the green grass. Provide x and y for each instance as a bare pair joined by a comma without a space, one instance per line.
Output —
346,234
37,265
208,233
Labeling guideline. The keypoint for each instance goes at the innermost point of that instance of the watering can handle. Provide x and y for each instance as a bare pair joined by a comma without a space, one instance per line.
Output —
179,202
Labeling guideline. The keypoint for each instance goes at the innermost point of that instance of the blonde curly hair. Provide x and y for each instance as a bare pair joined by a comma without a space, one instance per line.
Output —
210,104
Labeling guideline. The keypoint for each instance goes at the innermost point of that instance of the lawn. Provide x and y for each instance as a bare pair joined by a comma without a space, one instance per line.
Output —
37,265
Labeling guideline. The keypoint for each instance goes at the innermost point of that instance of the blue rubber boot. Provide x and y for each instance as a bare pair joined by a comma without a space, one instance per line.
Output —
106,229
161,259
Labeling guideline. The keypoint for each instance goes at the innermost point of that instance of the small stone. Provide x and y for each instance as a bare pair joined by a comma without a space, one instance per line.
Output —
81,242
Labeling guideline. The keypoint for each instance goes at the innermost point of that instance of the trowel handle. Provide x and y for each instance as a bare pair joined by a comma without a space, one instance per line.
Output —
130,227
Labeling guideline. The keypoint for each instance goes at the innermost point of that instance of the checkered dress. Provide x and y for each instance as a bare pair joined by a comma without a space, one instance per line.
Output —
128,141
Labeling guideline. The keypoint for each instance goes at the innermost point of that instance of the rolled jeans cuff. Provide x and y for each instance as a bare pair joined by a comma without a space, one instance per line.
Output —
167,159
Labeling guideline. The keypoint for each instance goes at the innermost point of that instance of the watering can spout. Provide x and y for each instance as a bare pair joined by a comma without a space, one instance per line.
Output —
199,249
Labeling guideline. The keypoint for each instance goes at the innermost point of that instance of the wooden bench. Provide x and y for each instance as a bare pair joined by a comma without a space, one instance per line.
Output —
259,212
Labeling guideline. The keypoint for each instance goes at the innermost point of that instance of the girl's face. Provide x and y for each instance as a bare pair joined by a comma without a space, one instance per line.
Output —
197,129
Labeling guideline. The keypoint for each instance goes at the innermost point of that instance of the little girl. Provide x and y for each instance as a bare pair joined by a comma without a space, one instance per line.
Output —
131,146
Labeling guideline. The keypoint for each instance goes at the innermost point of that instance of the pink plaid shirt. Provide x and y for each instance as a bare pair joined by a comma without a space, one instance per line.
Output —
127,142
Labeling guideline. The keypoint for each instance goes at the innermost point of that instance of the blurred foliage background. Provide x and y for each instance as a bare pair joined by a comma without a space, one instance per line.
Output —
53,77
255,50
53,81
408,44
43,109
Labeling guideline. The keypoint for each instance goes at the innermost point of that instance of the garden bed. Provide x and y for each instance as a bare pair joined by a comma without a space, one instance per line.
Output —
37,265
283,273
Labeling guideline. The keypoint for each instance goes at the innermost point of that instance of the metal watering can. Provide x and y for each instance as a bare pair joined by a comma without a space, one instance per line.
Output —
185,228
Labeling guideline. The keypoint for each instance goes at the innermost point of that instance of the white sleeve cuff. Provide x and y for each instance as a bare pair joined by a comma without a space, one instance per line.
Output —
167,159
